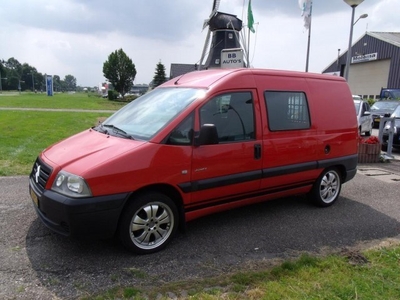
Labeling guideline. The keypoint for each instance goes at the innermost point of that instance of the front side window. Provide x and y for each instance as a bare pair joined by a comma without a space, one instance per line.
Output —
183,134
287,110
147,115
232,114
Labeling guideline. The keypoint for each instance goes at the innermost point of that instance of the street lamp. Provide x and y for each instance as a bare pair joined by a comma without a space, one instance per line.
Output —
353,4
1,87
363,16
19,85
33,82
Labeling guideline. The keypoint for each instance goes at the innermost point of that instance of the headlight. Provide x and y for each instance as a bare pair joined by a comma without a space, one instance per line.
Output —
71,185
387,128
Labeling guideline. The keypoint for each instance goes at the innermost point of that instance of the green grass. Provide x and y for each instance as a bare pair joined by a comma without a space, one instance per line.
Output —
59,100
24,134
371,275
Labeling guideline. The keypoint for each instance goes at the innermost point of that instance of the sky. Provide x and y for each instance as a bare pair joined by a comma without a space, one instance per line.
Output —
76,37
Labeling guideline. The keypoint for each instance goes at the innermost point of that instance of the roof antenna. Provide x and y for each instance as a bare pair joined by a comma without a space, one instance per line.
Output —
176,82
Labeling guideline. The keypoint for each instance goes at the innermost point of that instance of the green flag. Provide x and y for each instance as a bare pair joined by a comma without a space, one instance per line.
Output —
250,18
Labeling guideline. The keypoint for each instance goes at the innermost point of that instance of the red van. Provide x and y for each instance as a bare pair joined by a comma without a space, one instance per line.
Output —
205,142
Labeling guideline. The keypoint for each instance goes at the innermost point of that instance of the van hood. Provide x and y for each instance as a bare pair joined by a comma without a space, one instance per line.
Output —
86,150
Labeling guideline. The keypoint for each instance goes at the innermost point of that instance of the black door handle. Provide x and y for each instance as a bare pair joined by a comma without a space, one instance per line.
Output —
257,151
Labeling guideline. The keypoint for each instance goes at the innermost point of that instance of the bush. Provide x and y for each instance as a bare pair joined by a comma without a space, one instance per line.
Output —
112,95
370,101
130,98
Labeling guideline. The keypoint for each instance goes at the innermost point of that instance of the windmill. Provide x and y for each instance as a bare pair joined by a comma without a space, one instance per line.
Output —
223,33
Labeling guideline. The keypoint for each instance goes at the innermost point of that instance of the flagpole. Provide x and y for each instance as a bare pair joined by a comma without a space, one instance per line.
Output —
250,23
248,50
308,45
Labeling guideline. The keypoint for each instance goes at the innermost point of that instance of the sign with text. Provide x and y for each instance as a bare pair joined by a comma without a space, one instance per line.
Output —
364,57
232,58
49,85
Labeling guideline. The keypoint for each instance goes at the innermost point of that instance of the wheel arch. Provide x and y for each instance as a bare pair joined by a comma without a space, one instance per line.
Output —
346,166
342,172
167,190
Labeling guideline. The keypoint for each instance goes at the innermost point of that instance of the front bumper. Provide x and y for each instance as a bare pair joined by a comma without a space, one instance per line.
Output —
95,217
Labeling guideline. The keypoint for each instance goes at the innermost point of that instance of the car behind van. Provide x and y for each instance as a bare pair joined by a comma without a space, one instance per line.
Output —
364,117
201,143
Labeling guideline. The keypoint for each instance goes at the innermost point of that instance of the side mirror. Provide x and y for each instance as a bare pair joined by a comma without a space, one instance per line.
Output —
207,136
367,113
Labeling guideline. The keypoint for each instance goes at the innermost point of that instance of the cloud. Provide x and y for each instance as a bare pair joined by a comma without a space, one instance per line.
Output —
156,19
76,36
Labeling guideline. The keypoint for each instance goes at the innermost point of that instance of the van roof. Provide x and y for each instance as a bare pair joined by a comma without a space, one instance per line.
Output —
205,78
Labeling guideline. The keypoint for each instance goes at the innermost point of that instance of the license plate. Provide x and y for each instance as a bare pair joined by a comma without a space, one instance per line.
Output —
377,120
35,198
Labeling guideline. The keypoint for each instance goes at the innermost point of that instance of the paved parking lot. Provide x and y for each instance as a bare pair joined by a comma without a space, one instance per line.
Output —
38,264
35,263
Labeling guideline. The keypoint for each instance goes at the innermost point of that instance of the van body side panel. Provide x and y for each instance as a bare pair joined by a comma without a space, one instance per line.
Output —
333,114
172,165
289,156
223,170
229,168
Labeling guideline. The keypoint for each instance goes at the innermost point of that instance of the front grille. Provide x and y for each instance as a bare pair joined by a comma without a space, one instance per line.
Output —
40,174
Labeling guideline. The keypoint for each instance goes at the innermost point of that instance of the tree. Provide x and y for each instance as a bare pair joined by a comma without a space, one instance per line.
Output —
70,83
159,76
29,77
56,83
14,73
120,71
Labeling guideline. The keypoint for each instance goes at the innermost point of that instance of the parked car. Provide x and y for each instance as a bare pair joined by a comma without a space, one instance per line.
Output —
387,94
382,109
201,143
364,117
396,131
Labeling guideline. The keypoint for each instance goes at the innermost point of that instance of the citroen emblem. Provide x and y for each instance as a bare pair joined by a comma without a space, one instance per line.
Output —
37,174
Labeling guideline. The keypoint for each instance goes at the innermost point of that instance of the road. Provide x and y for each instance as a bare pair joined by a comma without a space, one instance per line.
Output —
38,264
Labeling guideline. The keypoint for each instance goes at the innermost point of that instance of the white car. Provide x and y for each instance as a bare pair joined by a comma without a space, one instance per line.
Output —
364,117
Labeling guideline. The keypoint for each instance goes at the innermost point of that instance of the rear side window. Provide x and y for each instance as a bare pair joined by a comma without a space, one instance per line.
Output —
287,110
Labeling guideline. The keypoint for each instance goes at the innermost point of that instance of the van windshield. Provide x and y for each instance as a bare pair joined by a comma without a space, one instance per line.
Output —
144,117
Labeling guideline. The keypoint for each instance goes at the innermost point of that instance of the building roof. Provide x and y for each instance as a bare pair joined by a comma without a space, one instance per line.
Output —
392,38
180,69
389,37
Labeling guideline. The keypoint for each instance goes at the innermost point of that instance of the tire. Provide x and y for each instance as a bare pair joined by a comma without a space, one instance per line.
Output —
148,223
327,188
368,133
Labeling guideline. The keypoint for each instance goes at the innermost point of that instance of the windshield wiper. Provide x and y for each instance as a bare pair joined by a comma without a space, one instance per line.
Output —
119,131
100,128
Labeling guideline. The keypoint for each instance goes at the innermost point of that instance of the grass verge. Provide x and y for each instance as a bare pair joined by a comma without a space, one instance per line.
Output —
24,134
59,100
371,274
